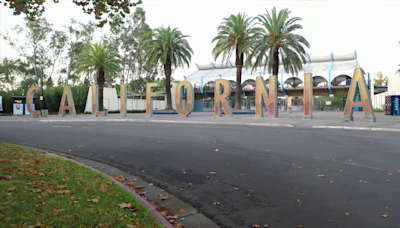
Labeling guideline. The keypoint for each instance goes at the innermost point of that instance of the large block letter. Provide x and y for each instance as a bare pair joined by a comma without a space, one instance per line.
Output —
358,85
269,99
220,97
29,100
67,102
149,97
308,95
95,100
123,97
189,99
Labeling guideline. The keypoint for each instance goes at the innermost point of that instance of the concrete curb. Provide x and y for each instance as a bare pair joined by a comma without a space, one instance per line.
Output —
172,121
154,211
357,128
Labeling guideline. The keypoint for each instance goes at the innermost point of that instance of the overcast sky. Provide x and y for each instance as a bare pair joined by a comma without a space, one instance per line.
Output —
341,27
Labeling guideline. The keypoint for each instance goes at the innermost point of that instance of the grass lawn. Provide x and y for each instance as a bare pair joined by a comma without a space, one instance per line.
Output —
41,190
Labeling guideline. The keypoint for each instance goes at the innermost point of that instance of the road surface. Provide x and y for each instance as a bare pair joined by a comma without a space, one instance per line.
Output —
264,175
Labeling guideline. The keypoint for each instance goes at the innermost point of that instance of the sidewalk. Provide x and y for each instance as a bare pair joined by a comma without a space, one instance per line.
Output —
322,119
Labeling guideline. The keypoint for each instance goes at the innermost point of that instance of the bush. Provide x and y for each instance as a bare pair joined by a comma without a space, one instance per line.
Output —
52,98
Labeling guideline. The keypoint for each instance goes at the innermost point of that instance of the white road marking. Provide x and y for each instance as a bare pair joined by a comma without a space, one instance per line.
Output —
60,126
366,166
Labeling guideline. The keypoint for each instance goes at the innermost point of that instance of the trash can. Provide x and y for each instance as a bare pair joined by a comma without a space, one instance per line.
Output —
395,104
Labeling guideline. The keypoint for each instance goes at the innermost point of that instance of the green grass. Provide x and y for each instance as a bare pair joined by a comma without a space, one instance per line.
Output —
41,190
378,110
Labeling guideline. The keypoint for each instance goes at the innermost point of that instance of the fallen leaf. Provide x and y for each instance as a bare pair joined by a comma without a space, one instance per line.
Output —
256,226
103,188
142,171
341,170
216,150
299,226
67,192
384,216
266,225
13,189
216,203
331,181
213,173
138,187
119,178
180,225
235,188
109,182
130,226
150,184
322,176
182,219
388,180
182,211
389,174
302,194
125,205
190,183
193,212
330,221
242,175
347,214
161,197
182,189
95,200
172,217
5,177
298,201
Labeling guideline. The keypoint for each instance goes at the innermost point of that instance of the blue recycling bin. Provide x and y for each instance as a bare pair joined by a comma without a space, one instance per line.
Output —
395,105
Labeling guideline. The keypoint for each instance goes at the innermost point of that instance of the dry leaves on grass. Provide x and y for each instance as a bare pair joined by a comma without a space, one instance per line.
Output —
5,177
103,188
94,200
125,205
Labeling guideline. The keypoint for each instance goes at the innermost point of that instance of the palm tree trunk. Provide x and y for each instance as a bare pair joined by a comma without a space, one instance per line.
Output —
100,82
239,67
167,72
275,63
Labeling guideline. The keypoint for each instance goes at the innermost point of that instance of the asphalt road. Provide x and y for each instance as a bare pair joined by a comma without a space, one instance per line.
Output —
275,169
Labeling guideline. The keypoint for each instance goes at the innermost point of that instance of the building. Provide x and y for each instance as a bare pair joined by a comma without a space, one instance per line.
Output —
332,76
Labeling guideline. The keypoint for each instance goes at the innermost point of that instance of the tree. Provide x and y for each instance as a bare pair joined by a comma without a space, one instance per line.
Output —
34,8
276,37
103,61
37,49
80,36
235,34
380,79
128,38
170,48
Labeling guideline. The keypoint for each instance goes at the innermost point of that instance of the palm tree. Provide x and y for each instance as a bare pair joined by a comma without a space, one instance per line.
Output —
277,37
170,48
103,61
235,34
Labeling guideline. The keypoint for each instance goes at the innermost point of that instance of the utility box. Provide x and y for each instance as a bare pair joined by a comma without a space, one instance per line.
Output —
20,106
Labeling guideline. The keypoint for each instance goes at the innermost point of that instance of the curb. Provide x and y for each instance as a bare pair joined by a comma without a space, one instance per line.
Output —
357,128
173,121
154,211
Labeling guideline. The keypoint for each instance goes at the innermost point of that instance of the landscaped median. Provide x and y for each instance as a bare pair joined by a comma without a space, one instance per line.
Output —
40,190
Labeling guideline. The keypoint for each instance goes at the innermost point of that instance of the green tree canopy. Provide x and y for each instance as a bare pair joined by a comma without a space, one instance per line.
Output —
235,34
35,8
380,79
104,62
277,37
170,48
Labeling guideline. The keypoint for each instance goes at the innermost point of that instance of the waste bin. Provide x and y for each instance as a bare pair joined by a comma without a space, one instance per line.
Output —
395,104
